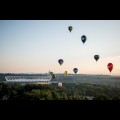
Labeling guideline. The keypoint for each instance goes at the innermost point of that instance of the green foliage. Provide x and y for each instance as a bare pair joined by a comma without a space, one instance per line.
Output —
54,92
52,74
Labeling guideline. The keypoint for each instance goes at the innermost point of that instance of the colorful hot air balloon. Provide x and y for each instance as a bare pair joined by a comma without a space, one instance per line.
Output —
65,73
75,70
60,61
70,28
83,38
110,66
96,57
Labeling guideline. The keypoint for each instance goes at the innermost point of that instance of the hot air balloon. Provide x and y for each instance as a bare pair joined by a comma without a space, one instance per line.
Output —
110,66
75,70
65,73
60,61
96,57
83,38
70,28
60,84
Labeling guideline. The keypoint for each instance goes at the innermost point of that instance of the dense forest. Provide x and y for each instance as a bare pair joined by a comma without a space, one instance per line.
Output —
69,91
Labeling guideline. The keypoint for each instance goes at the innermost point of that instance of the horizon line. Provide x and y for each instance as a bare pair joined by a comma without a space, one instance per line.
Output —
57,73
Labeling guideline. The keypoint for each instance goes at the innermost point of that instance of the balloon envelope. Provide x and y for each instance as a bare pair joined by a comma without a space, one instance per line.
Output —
83,38
60,61
60,84
70,28
75,70
110,66
96,57
65,73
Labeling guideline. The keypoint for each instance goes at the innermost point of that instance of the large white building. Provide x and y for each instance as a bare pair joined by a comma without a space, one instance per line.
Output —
38,79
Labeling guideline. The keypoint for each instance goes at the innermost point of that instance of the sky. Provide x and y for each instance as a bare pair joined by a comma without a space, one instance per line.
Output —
35,46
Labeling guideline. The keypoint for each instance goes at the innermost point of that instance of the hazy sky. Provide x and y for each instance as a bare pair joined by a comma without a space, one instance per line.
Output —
34,46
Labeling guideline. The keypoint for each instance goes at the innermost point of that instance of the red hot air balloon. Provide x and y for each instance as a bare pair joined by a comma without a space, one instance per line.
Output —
110,66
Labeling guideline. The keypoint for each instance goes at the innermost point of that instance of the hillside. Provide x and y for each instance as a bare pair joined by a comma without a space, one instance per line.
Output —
113,81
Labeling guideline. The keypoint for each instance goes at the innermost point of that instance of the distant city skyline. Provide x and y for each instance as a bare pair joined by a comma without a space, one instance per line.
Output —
35,46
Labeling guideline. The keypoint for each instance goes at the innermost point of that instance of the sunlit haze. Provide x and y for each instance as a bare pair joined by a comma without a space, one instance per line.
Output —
34,46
